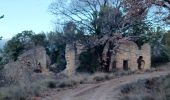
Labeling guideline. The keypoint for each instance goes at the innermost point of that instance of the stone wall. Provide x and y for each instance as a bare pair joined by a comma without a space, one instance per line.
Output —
130,52
72,53
35,58
146,53
23,70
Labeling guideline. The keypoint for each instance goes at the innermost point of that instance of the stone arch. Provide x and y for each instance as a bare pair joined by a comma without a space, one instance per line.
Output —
146,53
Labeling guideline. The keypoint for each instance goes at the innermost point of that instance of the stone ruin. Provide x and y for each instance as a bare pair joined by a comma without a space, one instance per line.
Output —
126,56
129,52
30,66
36,59
72,53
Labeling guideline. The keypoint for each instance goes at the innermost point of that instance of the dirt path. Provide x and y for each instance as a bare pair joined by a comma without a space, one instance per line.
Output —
101,91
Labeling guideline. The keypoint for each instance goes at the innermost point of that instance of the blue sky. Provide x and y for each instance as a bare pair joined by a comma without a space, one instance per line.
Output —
23,15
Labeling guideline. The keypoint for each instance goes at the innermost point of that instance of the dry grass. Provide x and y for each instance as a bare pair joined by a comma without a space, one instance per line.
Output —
82,79
28,87
66,81
152,89
21,92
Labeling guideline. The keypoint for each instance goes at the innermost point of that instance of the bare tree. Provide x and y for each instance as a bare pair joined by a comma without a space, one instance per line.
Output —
107,20
101,16
166,4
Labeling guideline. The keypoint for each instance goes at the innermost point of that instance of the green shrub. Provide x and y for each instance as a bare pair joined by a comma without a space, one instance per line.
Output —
162,58
88,61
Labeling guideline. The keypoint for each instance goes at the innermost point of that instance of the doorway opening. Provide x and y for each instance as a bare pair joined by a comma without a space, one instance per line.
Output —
125,65
141,62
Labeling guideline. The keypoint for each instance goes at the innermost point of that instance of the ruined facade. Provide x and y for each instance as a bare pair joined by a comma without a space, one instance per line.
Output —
72,53
129,52
30,66
35,58
126,56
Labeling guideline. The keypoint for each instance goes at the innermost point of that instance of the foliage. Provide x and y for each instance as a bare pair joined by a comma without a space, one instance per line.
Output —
2,16
106,21
166,39
160,52
21,42
14,47
72,33
57,42
39,39
101,16
140,33
92,21
88,62
56,50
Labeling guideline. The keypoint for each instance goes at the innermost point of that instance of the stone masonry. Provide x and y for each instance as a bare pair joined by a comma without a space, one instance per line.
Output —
128,53
24,70
35,58
72,53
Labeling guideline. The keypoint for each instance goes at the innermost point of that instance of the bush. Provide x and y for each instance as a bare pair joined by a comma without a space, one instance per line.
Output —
51,84
82,78
21,92
88,61
147,89
98,77
67,83
162,58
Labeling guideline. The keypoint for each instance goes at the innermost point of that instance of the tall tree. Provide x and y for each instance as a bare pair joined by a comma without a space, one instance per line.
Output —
20,42
105,19
111,22
102,16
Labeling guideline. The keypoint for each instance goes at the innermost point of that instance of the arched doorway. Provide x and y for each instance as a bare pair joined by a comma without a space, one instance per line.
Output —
141,63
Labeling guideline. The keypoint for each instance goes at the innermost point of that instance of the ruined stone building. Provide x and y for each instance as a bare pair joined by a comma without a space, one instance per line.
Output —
36,59
126,56
129,52
30,66
72,53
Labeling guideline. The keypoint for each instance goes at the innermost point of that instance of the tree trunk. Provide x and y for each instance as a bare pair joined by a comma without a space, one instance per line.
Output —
109,54
105,56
